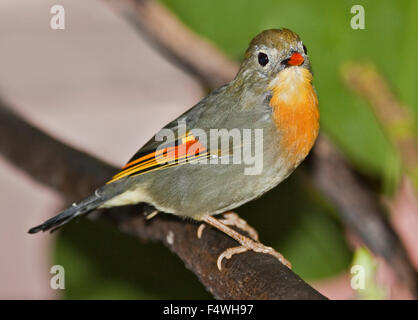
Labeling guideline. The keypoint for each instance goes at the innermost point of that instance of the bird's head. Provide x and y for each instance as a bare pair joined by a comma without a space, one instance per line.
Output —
276,67
274,50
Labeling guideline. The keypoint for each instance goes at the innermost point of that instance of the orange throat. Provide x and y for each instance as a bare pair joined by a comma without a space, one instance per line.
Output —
295,113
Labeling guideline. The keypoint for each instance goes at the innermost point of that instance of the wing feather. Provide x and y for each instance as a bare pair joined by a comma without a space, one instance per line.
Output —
186,149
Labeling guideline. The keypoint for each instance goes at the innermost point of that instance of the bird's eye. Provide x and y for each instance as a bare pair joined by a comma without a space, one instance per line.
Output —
263,59
305,50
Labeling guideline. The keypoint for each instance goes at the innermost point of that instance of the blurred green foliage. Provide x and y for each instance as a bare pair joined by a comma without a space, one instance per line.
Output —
102,263
364,271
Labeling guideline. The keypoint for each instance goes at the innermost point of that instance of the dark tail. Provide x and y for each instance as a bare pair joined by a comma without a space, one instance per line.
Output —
83,207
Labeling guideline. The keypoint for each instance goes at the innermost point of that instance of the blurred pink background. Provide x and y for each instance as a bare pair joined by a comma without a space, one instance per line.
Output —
93,85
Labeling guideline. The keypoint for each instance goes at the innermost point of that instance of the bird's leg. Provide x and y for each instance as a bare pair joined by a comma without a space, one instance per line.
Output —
245,242
232,219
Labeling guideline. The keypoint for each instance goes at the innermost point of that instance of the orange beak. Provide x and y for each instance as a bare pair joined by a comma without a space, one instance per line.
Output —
296,59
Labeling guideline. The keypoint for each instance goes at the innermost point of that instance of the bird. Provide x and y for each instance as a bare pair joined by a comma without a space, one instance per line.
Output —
238,142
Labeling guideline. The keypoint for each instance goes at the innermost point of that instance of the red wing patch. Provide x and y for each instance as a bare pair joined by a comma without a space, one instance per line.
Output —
184,150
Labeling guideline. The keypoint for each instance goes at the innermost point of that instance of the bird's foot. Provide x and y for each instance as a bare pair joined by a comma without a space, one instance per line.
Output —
232,219
245,242
254,246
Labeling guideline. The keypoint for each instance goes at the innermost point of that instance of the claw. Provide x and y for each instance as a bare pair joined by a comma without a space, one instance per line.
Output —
228,253
200,230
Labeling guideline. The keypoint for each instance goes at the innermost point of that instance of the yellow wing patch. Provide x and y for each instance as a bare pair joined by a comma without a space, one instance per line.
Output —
184,150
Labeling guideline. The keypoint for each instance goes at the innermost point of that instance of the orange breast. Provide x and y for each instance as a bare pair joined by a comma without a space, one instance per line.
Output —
295,113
